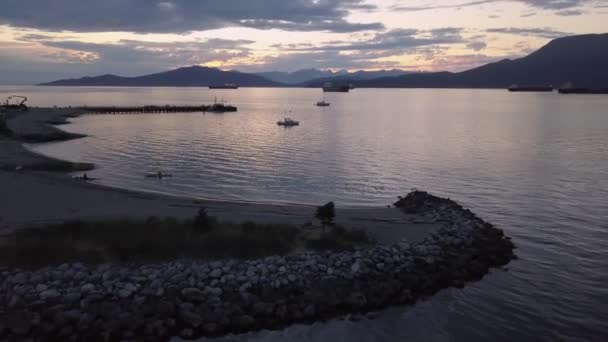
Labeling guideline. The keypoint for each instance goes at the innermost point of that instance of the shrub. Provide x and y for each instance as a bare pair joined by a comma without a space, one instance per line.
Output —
326,214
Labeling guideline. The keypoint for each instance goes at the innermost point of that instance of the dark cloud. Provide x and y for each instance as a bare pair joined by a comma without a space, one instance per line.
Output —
392,41
566,13
178,16
540,4
536,32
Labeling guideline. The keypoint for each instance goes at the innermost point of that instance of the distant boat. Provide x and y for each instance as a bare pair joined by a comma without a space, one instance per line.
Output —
224,86
582,91
287,122
329,87
530,88
323,103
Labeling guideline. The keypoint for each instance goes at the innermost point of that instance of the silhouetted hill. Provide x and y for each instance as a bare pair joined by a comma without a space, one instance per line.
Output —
311,75
582,60
194,76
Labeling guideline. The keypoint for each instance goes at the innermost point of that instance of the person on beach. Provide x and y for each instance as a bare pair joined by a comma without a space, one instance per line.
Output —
85,177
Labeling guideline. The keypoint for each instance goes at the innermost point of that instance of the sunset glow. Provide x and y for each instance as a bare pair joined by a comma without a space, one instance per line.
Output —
328,34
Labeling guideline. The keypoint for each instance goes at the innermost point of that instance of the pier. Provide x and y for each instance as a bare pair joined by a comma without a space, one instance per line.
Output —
154,109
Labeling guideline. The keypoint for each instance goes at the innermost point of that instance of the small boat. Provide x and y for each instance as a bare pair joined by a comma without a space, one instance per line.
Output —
287,122
323,103
158,175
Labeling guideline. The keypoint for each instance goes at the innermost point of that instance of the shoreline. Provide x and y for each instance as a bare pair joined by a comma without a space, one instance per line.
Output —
48,177
424,244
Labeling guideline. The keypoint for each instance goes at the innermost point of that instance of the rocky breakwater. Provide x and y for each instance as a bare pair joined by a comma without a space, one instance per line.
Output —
193,298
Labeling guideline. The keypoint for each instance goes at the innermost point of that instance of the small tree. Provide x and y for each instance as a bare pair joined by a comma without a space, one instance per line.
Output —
326,214
202,222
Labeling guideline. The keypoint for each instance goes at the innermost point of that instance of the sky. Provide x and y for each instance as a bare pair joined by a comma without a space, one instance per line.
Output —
43,40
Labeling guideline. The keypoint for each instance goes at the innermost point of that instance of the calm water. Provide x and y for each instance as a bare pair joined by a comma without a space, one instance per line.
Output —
536,165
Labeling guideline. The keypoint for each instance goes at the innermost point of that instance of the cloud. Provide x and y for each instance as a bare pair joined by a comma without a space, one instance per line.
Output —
477,46
133,57
179,16
539,4
535,32
395,40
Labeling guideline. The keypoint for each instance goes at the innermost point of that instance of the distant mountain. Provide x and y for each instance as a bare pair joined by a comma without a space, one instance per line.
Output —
307,75
581,60
194,76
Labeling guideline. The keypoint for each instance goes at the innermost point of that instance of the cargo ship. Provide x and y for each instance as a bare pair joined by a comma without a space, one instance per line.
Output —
329,87
224,86
530,88
582,91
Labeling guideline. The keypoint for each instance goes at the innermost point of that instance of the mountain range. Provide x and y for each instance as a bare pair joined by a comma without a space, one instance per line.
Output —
305,75
581,60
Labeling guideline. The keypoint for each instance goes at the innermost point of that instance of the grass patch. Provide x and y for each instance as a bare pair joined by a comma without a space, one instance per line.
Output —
164,239
337,239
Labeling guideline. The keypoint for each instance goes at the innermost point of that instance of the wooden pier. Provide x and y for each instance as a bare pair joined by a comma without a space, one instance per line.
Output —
214,108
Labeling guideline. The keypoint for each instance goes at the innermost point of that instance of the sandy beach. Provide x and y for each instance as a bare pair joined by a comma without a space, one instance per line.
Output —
33,195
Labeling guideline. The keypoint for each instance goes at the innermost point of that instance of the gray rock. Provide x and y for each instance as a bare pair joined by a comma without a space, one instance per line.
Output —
41,288
210,328
19,278
216,273
244,322
49,294
186,333
191,318
193,294
124,293
86,288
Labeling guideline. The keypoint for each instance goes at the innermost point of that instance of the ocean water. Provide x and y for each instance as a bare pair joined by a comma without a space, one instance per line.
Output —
534,164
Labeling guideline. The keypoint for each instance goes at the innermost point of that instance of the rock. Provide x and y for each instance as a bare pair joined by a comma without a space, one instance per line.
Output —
19,278
124,293
41,288
88,287
309,311
80,275
355,267
244,322
216,291
210,328
193,294
357,300
190,318
49,294
216,273
186,333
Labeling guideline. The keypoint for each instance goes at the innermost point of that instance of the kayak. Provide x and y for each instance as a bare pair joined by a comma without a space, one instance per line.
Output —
156,175
88,179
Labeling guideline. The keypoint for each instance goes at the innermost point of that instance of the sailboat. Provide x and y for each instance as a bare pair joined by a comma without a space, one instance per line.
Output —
288,122
323,103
